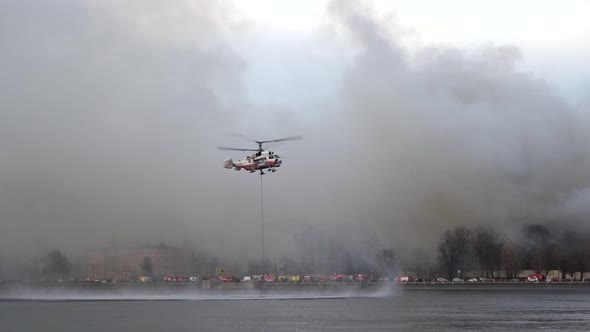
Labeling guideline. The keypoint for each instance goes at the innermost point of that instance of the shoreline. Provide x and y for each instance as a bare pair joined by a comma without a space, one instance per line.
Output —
7,288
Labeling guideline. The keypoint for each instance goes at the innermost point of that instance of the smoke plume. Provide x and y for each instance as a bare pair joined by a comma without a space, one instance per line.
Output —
111,113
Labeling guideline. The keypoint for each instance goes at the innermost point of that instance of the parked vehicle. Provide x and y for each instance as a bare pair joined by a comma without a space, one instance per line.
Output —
362,277
441,280
404,278
226,278
145,279
458,280
535,277
338,277
268,277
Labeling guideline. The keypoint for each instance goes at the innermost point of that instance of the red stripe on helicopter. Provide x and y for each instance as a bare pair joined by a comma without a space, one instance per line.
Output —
255,165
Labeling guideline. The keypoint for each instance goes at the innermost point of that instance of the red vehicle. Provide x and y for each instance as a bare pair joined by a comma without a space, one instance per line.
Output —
269,277
226,278
536,277
338,277
362,277
181,279
404,278
169,279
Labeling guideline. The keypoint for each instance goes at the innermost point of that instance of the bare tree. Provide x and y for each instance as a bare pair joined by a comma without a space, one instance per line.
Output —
421,262
580,257
386,259
552,259
56,264
572,254
255,266
538,241
487,249
511,259
478,247
146,265
454,250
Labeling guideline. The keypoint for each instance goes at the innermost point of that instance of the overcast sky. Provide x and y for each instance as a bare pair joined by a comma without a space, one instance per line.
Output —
552,36
417,117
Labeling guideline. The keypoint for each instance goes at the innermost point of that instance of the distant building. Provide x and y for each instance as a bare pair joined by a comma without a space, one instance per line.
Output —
124,264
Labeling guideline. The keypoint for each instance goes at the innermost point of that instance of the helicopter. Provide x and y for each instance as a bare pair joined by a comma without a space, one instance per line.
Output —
258,161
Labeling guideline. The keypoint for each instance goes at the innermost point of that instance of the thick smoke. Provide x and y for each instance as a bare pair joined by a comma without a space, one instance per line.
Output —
111,113
453,137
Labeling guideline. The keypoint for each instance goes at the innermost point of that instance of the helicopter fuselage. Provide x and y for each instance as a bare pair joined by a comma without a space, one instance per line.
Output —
257,161
261,159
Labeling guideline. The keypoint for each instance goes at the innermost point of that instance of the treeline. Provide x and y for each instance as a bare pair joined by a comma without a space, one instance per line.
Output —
488,253
461,251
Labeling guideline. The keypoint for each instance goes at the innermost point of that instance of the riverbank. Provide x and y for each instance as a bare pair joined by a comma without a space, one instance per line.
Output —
8,288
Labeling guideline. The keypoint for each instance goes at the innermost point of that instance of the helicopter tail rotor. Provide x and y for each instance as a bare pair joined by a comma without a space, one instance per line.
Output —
228,163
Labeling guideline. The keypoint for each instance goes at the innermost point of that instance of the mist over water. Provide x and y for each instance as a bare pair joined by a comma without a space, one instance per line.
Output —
111,115
146,293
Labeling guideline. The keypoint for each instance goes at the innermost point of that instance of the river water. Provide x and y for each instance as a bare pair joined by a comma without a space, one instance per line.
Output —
402,310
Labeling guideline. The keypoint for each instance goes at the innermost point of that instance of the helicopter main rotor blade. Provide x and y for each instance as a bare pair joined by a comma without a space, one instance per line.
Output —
242,136
292,138
234,149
